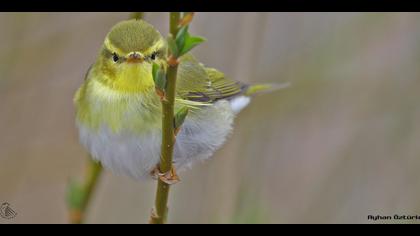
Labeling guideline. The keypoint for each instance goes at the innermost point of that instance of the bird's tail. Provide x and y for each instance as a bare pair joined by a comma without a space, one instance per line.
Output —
264,88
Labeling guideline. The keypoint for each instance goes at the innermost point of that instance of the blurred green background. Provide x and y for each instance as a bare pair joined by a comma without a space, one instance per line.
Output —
339,144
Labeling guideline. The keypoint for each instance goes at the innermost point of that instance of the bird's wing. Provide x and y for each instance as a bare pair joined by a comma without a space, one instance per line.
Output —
197,83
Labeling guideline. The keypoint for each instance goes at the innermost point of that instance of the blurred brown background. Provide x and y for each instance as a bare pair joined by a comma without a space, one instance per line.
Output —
341,143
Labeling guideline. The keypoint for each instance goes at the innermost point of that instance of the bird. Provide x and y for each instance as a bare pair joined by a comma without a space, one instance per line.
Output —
119,113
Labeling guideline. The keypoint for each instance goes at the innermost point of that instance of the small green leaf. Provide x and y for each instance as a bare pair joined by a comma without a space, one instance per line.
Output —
159,77
180,117
155,69
183,42
190,43
181,36
173,46
75,195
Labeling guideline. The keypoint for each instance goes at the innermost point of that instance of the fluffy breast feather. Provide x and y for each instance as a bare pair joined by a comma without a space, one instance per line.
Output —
136,154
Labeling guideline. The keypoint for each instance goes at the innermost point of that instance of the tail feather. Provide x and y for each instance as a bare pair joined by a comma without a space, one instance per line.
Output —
264,88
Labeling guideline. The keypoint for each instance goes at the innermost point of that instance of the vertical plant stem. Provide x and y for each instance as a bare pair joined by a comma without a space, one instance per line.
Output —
174,19
137,15
94,171
160,212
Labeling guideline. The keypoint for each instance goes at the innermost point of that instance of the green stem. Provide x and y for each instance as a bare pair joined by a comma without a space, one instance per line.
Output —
174,19
137,15
94,171
159,215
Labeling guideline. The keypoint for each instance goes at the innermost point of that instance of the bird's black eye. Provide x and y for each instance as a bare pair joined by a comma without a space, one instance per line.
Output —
153,56
115,57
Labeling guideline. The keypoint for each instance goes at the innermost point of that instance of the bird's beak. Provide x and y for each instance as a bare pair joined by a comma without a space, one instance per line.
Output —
135,57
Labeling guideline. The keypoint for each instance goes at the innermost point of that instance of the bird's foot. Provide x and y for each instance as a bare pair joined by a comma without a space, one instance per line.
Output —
161,94
169,177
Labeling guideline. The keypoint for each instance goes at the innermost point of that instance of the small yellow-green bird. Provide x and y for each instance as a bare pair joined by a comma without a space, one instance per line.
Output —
118,112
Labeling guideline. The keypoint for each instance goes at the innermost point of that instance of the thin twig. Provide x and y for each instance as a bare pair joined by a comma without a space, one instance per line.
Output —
159,214
137,15
94,170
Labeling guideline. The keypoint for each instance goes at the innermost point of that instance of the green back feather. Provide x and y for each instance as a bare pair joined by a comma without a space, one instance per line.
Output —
207,85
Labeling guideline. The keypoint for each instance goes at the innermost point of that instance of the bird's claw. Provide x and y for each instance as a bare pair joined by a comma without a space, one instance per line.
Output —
161,94
169,177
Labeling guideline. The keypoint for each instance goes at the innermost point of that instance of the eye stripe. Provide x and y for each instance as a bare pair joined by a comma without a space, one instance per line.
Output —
107,52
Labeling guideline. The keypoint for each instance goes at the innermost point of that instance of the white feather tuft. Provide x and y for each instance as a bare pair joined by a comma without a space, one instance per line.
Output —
239,103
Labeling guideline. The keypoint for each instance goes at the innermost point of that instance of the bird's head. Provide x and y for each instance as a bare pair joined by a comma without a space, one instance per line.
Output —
126,58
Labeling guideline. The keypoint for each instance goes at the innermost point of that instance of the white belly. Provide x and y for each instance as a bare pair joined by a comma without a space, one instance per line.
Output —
202,133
